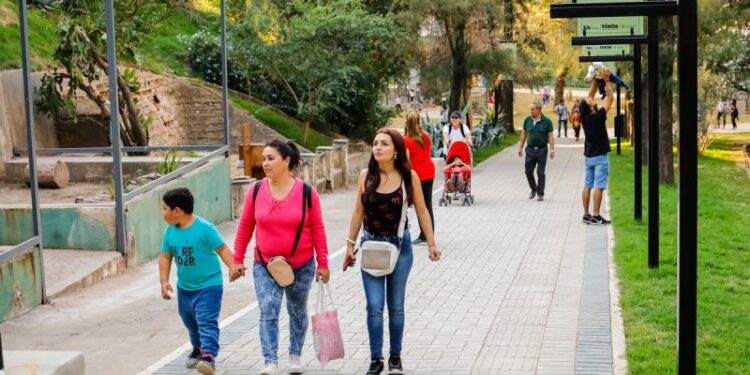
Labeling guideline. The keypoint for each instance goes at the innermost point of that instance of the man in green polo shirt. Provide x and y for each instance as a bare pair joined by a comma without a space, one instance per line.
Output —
536,134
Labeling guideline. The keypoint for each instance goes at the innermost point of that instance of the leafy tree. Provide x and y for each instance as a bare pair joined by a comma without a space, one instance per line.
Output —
82,53
332,58
724,40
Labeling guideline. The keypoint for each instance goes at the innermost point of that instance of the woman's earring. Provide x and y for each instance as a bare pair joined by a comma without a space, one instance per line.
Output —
395,156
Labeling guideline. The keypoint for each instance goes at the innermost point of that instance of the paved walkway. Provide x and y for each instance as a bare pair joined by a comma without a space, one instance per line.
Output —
524,288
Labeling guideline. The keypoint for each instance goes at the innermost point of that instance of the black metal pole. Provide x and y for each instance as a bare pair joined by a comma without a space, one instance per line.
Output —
637,136
31,140
687,201
653,145
114,127
617,117
2,362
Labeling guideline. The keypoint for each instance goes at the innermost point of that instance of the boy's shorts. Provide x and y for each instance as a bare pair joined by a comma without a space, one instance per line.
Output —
597,172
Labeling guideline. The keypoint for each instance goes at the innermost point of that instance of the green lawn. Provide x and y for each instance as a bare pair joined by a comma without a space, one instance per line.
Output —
485,153
648,298
281,123
42,37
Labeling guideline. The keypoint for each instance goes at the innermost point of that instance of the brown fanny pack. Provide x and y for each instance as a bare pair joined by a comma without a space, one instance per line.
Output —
279,267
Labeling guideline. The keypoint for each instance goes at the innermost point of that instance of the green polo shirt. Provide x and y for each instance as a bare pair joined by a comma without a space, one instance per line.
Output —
536,134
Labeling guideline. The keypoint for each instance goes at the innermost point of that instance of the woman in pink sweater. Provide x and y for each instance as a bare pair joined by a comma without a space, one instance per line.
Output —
273,209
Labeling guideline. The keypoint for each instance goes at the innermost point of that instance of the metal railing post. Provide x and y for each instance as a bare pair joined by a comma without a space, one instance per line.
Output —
31,139
114,127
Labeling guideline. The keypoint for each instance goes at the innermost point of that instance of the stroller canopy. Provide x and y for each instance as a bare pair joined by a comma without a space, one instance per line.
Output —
460,149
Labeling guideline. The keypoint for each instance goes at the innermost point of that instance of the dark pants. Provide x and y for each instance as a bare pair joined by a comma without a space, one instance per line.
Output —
577,130
536,158
427,192
562,124
734,122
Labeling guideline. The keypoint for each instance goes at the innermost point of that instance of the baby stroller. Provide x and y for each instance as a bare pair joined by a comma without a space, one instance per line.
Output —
458,175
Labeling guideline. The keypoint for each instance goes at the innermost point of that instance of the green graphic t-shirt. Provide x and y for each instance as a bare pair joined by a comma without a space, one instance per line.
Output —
194,253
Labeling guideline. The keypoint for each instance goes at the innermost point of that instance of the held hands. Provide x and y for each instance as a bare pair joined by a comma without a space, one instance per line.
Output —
166,290
237,271
322,275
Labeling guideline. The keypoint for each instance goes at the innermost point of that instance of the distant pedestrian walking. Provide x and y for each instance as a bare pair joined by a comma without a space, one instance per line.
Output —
419,146
734,113
562,117
721,113
399,109
575,119
537,134
545,95
596,151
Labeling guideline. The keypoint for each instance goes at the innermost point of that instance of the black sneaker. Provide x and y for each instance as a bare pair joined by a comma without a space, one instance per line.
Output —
598,220
394,365
193,358
206,366
376,367
587,218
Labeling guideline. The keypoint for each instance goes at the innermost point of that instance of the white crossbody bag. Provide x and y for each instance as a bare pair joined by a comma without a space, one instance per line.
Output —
379,257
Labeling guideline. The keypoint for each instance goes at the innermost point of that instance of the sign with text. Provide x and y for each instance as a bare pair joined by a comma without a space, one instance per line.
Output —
614,26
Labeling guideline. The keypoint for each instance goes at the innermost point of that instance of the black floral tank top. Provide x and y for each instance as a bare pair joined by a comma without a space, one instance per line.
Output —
383,213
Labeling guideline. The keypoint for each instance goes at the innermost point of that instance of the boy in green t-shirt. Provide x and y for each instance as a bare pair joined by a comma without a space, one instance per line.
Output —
194,243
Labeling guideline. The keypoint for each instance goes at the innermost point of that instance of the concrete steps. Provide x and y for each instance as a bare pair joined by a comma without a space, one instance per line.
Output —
66,270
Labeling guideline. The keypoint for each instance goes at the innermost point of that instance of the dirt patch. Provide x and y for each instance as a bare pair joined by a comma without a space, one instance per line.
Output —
20,194
7,16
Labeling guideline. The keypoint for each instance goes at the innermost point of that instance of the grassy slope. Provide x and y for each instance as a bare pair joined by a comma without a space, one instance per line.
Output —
648,298
161,52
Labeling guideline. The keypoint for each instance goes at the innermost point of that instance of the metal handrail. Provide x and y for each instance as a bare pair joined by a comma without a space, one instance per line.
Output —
108,150
21,249
177,173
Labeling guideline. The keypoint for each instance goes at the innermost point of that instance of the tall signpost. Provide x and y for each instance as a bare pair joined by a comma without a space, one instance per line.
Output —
687,205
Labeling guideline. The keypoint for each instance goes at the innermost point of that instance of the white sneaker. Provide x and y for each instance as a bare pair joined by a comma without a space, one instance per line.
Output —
270,369
295,367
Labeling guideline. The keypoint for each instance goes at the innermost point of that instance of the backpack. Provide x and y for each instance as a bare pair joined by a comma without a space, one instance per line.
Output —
450,130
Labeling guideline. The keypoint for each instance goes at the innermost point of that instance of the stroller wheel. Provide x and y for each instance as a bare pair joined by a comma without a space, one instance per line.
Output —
464,202
442,202
471,198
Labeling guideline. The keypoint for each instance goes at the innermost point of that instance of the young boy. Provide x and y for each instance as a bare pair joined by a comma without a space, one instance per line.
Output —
194,244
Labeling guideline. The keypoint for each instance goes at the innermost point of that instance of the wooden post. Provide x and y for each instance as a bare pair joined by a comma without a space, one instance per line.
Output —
245,150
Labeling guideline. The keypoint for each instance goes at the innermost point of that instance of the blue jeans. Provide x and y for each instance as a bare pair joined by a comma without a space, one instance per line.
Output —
199,310
597,172
562,124
269,295
393,288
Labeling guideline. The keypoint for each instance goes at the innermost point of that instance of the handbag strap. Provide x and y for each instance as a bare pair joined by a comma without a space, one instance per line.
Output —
306,205
322,289
404,207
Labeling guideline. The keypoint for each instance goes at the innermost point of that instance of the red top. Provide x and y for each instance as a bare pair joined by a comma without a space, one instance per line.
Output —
275,223
419,157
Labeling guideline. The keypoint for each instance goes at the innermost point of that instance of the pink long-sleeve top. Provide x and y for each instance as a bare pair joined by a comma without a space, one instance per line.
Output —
275,223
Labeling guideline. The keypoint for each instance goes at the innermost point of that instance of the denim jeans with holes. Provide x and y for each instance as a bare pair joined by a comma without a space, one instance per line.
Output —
391,288
269,295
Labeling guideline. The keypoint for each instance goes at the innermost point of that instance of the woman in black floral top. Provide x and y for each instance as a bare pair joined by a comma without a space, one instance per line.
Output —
378,209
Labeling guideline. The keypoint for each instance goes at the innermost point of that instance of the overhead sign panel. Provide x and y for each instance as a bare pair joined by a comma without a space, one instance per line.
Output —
609,26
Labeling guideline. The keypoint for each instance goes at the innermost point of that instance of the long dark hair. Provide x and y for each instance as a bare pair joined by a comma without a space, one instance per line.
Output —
372,181
586,108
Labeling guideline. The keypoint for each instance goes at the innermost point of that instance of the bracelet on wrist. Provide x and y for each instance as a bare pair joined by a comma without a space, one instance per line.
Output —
351,241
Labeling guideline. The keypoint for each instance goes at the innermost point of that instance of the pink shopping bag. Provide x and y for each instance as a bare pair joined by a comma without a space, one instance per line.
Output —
325,327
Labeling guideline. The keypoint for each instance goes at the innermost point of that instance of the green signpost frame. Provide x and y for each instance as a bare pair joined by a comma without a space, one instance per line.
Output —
609,26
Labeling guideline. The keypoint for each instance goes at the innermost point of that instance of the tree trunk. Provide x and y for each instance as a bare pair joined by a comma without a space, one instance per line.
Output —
507,105
666,121
307,130
49,175
560,86
467,103
459,48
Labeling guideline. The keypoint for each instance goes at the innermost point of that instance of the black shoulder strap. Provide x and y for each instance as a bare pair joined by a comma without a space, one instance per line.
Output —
462,130
306,203
256,189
